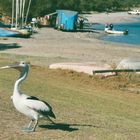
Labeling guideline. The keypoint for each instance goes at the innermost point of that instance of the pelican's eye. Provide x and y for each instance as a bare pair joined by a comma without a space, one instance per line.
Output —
23,63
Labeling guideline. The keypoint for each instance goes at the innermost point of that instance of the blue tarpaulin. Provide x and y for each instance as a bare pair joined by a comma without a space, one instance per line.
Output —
66,19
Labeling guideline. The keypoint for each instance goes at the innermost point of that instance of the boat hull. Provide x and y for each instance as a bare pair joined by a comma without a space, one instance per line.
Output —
22,32
116,32
8,32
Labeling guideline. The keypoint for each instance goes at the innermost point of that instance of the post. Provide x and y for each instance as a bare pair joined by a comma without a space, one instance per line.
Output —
13,6
27,11
116,70
17,13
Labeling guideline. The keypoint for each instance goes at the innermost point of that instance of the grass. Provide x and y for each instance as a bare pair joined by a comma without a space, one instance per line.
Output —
86,107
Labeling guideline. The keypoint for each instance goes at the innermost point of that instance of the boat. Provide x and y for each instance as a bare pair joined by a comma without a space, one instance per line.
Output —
25,33
10,32
18,10
5,32
17,29
134,12
109,31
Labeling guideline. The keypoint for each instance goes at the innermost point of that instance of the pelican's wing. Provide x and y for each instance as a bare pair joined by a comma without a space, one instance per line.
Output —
32,98
39,106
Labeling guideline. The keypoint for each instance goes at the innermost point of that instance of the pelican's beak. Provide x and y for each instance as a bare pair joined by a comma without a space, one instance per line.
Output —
16,66
5,67
10,66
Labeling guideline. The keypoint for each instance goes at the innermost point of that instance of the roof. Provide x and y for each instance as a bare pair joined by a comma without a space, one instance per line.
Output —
67,12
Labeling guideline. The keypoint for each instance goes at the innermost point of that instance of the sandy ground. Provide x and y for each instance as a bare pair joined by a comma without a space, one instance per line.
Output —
57,46
111,17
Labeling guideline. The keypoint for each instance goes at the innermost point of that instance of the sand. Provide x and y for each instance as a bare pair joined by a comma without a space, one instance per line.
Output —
117,17
56,46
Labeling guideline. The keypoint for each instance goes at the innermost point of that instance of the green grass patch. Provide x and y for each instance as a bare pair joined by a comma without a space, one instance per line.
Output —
86,107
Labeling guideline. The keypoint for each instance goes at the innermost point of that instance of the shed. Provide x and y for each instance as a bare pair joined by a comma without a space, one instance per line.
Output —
66,20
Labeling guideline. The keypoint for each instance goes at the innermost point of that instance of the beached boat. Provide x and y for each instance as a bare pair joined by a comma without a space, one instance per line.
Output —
107,30
6,32
11,32
17,29
20,21
22,32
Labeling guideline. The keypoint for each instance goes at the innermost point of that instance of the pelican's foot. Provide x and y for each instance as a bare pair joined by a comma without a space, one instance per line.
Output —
28,129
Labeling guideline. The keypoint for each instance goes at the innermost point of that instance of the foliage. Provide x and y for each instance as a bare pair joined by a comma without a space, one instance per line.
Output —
42,7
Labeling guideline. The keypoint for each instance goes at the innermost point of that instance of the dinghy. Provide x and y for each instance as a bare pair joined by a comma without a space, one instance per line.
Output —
4,32
11,32
107,30
25,33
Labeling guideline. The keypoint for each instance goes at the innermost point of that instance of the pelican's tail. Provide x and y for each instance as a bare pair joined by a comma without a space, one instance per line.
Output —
49,111
51,114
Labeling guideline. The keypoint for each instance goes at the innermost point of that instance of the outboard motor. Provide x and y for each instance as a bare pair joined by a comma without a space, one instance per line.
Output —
126,32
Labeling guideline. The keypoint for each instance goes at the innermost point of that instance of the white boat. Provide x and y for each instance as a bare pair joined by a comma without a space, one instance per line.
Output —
134,12
107,30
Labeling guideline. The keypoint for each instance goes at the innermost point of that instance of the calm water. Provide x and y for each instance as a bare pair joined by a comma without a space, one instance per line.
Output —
133,36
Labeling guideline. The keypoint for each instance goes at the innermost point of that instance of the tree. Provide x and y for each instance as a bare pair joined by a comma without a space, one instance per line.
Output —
43,7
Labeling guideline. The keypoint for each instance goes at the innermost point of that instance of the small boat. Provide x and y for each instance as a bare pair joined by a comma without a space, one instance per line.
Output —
10,32
25,33
134,12
18,29
4,32
107,30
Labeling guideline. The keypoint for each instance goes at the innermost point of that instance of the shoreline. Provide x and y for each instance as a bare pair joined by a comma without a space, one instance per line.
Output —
114,17
55,46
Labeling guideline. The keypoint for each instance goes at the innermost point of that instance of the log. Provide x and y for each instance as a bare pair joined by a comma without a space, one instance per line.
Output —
116,70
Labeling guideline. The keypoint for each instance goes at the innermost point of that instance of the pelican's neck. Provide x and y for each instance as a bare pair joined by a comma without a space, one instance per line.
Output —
22,77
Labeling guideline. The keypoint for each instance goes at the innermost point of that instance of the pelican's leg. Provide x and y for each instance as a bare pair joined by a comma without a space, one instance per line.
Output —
29,128
34,127
50,120
29,125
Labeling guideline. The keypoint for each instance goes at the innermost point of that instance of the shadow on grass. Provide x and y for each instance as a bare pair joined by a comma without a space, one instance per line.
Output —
9,46
64,127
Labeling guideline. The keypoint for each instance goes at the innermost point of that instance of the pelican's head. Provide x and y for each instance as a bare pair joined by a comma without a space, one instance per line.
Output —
18,66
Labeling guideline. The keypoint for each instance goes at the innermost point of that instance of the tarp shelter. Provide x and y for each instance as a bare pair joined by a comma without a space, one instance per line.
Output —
66,20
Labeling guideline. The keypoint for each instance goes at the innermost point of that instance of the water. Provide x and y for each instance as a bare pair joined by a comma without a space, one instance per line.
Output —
98,26
133,36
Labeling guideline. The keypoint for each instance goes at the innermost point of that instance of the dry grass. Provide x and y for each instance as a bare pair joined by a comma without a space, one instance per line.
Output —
86,107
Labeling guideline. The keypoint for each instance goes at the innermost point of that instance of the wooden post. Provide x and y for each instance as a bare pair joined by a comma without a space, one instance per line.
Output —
116,70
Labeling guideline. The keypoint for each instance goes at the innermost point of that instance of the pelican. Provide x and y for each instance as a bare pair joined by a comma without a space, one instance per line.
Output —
30,106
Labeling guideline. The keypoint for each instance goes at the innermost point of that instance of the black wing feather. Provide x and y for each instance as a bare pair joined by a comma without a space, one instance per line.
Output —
48,113
44,113
32,98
